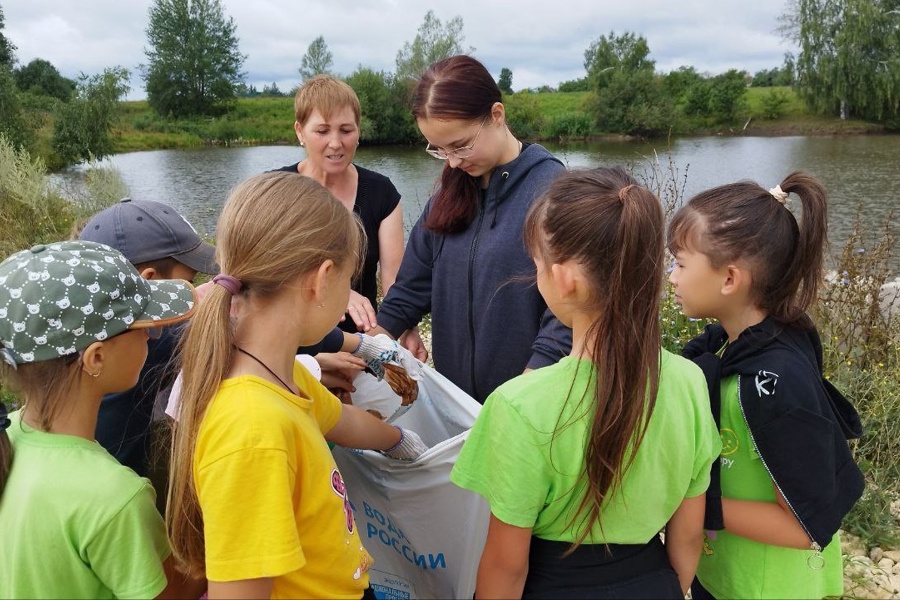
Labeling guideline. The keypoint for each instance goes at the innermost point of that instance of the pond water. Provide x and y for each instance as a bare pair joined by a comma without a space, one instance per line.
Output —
859,172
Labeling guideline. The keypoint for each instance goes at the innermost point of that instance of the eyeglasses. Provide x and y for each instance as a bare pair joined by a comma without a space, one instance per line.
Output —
464,152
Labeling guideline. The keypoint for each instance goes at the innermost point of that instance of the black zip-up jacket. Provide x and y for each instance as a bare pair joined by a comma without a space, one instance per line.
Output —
798,421
489,321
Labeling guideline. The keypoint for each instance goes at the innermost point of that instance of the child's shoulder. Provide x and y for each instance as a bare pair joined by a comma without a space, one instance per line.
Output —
679,368
93,478
792,351
682,382
247,404
539,381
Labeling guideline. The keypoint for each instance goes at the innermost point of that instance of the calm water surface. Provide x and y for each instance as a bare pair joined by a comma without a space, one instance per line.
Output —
858,171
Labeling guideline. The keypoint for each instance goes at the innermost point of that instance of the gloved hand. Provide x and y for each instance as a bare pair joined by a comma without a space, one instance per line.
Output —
380,349
410,446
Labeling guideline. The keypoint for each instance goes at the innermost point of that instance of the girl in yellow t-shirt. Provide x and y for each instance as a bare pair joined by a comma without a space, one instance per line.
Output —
256,500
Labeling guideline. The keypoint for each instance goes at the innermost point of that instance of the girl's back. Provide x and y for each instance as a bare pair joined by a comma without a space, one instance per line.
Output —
585,461
259,445
520,424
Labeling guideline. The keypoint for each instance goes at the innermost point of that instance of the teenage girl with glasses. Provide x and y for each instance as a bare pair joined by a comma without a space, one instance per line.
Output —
465,262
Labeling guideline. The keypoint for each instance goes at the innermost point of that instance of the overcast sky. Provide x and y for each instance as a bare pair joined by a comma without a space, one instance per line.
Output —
542,42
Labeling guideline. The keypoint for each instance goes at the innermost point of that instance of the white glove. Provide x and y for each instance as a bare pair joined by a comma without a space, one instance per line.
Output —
380,349
410,446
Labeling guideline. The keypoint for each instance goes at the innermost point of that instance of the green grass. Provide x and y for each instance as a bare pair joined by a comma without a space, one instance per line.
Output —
252,121
794,107
561,103
552,115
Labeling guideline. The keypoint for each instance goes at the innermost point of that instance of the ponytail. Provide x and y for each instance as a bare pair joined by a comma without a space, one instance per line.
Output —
808,265
455,204
274,228
743,221
206,352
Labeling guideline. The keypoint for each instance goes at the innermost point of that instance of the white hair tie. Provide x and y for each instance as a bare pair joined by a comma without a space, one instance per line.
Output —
780,195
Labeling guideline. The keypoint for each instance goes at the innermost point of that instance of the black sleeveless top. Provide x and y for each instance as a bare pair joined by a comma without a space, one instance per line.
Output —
376,198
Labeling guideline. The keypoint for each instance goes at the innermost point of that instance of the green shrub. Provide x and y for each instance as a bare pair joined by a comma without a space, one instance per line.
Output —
861,343
32,211
570,126
524,115
773,104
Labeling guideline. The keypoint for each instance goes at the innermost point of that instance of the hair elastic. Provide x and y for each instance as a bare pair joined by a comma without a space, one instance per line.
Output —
625,191
780,195
232,284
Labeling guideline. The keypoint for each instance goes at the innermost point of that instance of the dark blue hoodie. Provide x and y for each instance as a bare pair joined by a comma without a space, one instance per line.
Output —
489,321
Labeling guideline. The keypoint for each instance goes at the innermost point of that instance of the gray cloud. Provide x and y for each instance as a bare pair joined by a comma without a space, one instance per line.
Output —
541,42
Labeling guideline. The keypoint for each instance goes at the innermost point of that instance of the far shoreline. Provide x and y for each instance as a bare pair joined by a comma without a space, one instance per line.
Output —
779,128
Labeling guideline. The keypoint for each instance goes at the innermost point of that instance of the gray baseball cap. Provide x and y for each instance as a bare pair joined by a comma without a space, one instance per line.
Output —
58,299
145,231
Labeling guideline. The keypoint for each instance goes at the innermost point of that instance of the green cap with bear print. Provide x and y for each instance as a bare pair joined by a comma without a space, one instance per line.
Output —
58,299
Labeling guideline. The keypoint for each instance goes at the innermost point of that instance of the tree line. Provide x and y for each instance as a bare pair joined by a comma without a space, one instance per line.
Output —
848,64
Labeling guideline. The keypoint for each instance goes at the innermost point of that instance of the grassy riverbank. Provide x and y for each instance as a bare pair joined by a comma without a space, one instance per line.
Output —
257,121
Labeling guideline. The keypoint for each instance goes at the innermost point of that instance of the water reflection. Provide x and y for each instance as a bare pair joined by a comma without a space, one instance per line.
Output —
856,170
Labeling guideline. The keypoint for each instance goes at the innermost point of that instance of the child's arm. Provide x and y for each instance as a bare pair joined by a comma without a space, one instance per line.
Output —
684,539
245,588
357,428
504,562
180,585
765,522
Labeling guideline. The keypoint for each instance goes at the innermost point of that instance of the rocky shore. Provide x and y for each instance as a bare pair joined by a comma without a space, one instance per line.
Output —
871,573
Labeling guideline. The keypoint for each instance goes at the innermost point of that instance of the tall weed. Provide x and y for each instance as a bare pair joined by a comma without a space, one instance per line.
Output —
858,316
33,211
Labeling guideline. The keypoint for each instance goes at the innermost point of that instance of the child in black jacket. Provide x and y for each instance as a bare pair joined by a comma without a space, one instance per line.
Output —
786,476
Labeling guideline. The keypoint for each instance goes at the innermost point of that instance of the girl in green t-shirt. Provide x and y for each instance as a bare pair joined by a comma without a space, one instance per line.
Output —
75,318
786,476
585,461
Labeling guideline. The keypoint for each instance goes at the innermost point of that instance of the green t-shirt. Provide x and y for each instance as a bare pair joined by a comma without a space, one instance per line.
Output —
75,523
732,566
525,453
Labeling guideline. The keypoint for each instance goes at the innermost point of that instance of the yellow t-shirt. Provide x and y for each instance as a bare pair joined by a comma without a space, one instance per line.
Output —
273,500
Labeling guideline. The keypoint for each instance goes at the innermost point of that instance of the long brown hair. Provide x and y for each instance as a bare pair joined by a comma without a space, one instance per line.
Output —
614,229
44,386
273,228
458,87
743,221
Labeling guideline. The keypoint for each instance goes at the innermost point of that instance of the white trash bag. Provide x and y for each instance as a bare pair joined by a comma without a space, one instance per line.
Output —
425,534
378,398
